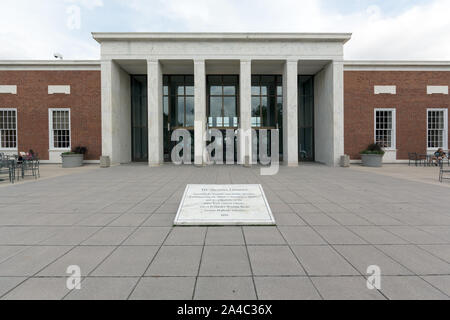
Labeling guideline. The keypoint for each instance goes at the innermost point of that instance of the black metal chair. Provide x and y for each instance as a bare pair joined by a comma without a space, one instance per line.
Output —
412,156
443,172
8,167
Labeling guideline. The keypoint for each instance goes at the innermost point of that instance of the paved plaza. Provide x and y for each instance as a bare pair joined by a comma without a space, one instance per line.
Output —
332,224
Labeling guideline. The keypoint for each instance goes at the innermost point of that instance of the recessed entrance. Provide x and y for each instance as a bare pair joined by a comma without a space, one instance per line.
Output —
139,118
178,104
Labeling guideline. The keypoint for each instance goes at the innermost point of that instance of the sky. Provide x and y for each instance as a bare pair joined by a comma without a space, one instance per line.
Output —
382,29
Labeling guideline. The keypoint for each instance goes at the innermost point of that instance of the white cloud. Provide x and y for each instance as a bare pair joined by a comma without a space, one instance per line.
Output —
36,29
420,32
32,29
90,4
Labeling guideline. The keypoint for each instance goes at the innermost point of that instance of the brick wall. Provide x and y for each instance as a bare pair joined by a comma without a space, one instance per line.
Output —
33,101
411,103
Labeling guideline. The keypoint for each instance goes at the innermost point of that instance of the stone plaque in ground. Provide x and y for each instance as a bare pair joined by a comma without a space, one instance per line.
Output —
212,204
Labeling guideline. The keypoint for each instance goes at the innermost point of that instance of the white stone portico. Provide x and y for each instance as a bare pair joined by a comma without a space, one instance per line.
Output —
202,54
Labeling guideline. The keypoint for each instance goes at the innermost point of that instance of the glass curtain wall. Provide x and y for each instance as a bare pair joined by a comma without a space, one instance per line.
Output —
223,105
267,108
139,118
179,112
306,118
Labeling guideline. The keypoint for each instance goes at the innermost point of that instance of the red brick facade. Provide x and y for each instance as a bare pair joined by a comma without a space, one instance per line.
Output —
411,103
32,102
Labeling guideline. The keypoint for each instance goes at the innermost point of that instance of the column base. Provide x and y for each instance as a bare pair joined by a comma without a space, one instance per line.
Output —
154,165
291,164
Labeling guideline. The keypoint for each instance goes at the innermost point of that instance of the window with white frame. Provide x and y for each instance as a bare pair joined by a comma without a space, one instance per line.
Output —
437,128
8,129
59,126
385,128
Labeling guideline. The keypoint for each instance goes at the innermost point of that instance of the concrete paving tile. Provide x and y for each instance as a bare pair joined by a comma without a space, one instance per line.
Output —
129,220
349,219
148,236
301,236
339,235
225,288
86,257
109,236
98,220
225,261
39,289
117,207
345,288
126,261
263,236
274,260
318,219
305,208
285,288
440,251
323,261
71,235
379,219
7,252
415,259
377,235
103,289
25,235
414,235
9,283
224,236
409,288
31,260
363,256
287,219
159,220
165,288
194,236
440,282
176,261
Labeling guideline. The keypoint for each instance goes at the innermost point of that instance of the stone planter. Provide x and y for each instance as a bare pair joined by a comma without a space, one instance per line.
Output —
372,160
345,161
72,160
105,162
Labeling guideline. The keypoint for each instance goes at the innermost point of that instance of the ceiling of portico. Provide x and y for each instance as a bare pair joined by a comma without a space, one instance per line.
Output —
306,67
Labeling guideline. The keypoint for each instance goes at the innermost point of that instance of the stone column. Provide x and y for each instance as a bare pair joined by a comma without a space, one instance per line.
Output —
329,113
155,114
200,112
107,108
116,112
290,113
245,97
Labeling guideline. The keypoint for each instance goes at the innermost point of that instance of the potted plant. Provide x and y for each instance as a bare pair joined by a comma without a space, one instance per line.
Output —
372,156
74,158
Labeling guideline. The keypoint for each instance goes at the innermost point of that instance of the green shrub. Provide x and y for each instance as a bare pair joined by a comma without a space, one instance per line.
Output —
77,150
373,148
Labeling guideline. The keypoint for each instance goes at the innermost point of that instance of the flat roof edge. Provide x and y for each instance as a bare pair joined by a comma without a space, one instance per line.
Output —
192,36
67,63
396,63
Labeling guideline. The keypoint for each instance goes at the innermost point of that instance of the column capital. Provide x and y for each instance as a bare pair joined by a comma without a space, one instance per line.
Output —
199,61
291,60
152,61
246,60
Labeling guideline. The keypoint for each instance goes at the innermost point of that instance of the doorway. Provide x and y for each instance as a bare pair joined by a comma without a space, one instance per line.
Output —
139,119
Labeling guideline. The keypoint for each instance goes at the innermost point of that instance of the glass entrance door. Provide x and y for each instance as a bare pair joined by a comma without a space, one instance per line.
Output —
178,103
223,108
306,118
139,119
